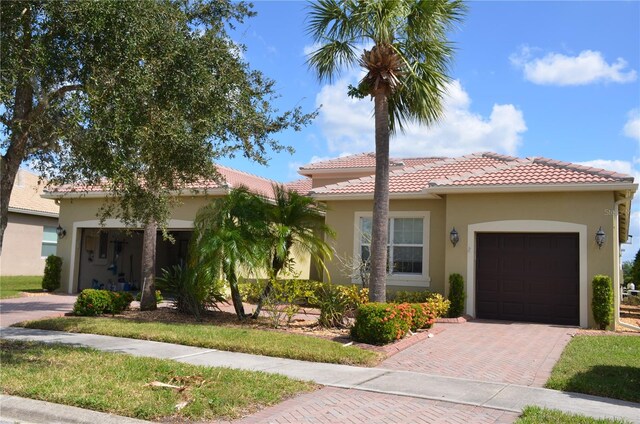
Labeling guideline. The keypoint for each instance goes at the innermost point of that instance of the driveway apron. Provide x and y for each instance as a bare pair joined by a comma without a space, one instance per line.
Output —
495,351
34,307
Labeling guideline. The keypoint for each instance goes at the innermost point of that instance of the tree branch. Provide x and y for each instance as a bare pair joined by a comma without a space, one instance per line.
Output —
61,91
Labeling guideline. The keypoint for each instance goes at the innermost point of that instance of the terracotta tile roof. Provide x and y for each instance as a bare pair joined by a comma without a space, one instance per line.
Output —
363,160
25,195
230,178
480,169
301,186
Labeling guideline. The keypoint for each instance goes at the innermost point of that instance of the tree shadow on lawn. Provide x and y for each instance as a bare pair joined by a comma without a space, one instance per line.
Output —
617,382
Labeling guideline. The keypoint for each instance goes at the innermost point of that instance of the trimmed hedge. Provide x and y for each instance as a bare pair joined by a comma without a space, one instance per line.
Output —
602,301
457,295
91,302
52,273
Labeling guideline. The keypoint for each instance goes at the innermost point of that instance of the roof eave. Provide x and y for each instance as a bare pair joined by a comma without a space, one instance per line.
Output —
34,212
369,196
103,194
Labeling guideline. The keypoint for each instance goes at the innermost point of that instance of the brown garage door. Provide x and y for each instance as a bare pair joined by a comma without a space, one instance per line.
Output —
528,277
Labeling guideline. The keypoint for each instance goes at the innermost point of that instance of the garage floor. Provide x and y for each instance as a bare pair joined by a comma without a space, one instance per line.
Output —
497,351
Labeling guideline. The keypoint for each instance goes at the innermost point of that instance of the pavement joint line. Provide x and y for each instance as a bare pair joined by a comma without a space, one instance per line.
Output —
386,372
484,404
419,396
175,358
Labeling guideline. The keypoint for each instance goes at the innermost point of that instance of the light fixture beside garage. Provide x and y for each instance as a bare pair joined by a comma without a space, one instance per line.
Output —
61,232
600,237
454,237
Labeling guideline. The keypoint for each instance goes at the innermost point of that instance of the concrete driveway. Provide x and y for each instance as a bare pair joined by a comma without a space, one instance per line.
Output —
34,307
495,351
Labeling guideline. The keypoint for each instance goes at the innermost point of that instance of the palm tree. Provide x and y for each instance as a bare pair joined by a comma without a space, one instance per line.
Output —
229,234
295,224
406,77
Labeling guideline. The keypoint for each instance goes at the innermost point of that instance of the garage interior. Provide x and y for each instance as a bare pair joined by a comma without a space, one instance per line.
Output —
112,258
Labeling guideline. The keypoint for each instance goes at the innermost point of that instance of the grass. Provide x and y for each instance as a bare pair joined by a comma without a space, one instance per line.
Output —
600,365
259,342
12,286
116,383
537,415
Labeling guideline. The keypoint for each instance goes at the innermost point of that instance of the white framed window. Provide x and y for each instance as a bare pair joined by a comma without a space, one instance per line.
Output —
407,248
49,241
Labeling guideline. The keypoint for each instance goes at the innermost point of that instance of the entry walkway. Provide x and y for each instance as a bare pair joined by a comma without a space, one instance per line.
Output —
474,393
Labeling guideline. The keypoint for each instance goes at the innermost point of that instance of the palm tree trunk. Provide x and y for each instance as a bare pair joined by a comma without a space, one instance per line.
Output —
236,297
379,236
148,300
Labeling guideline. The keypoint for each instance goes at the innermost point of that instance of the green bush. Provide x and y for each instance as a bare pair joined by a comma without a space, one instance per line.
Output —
283,301
382,323
457,295
119,301
438,303
602,301
52,273
337,303
423,316
251,291
192,292
92,302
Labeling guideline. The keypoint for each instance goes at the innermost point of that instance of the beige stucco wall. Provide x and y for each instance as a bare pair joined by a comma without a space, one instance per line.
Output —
593,209
342,218
22,244
79,213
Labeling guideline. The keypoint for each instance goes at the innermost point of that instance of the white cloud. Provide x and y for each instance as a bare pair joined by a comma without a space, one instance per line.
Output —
632,126
587,67
348,125
310,48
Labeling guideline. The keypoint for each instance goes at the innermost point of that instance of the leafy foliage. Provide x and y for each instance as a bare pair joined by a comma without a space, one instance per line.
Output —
382,323
283,301
91,302
159,297
423,315
457,295
439,304
602,300
52,273
337,303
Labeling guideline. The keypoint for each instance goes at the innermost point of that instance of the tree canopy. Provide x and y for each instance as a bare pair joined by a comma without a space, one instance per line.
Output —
138,97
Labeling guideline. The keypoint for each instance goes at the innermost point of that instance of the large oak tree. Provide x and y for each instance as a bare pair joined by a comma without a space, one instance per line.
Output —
138,97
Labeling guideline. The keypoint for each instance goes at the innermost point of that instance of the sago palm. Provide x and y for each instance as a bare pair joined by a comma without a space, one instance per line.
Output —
295,227
406,76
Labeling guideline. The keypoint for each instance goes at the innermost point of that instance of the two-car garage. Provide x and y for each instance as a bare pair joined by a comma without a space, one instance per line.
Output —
532,277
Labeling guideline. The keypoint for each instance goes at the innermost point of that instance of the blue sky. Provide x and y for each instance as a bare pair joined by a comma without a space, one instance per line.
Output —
553,79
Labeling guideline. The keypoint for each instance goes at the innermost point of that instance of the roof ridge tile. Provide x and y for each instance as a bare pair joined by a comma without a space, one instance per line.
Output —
582,168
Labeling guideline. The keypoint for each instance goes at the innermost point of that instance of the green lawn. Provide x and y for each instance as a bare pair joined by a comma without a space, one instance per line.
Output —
11,286
116,383
259,342
537,415
600,365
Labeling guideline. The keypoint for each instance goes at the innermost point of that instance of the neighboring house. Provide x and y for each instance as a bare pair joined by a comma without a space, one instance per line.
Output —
110,256
526,229
31,231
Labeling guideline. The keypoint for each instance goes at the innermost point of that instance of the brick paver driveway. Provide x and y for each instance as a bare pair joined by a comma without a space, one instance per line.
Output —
34,307
333,405
500,351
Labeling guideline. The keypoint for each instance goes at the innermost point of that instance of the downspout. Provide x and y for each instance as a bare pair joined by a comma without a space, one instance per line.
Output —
617,298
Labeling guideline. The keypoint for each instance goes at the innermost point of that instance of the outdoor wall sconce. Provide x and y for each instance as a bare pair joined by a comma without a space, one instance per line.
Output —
454,237
600,237
61,232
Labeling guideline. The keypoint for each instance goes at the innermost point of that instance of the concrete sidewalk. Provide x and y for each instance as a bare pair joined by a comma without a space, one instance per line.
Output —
501,396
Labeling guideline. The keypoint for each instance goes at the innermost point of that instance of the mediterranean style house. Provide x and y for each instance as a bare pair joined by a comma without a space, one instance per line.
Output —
527,234
31,231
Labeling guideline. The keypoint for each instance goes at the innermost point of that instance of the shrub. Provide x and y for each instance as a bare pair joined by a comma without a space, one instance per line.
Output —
438,303
602,301
251,291
457,295
52,273
283,301
381,323
423,316
192,292
120,301
92,302
337,303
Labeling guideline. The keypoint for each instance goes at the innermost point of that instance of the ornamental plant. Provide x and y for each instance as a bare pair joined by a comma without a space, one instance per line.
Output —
382,323
423,316
52,273
91,302
457,295
602,300
439,304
